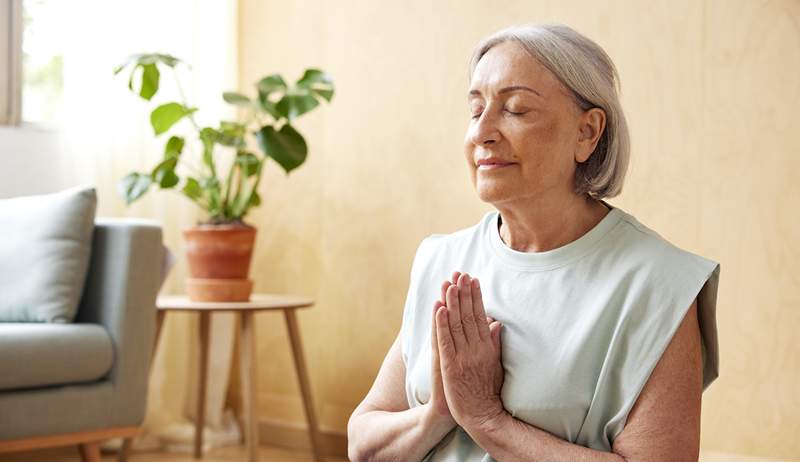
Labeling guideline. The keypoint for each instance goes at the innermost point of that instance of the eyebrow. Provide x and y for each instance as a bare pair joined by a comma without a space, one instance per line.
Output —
508,89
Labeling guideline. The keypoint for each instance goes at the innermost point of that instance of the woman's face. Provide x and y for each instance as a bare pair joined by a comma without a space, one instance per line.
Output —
525,119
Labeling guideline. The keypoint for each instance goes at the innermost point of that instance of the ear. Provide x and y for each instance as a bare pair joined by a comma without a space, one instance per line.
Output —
590,129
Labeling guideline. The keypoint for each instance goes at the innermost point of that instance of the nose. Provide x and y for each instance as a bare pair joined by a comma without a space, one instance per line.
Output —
483,131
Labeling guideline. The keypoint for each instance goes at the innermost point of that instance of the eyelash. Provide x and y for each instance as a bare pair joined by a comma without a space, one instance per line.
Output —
504,110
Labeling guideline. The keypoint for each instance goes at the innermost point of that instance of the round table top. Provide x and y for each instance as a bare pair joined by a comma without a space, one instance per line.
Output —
257,302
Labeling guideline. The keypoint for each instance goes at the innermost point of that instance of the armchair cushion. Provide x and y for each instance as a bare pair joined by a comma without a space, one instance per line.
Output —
46,354
45,242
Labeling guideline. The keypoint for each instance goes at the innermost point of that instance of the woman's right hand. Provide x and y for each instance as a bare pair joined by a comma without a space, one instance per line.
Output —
438,404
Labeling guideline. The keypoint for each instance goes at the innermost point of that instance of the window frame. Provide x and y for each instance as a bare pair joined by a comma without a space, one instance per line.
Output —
11,56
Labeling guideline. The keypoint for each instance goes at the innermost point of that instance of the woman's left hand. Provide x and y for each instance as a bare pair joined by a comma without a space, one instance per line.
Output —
470,355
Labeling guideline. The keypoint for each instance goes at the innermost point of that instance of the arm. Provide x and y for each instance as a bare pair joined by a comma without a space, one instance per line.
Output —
120,294
383,427
663,425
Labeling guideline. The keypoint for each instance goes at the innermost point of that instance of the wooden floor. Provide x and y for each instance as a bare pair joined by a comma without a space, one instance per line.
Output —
266,454
228,454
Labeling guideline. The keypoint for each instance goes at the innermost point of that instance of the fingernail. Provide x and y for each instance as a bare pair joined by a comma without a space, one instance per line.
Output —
477,284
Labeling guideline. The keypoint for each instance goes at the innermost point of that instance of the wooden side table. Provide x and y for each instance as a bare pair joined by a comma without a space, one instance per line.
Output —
247,352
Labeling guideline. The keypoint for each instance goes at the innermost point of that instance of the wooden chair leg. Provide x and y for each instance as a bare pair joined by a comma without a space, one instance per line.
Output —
125,450
90,452
247,366
205,327
305,386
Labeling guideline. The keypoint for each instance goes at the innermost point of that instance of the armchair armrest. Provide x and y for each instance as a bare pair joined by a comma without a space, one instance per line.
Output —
125,275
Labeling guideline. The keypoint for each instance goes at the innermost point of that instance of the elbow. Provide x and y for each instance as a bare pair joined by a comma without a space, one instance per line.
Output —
355,450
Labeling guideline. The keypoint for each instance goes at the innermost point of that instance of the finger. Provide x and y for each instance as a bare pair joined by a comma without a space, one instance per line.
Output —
479,312
467,312
436,307
454,319
447,348
434,340
454,279
495,330
445,285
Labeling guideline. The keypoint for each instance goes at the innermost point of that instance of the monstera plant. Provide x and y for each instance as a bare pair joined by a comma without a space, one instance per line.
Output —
219,249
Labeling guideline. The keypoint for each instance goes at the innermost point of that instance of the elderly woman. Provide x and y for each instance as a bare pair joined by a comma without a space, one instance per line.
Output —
559,327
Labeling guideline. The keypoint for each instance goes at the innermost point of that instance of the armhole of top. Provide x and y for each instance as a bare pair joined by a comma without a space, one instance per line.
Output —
706,311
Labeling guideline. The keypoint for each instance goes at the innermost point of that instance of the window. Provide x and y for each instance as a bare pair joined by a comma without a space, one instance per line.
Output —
43,34
34,79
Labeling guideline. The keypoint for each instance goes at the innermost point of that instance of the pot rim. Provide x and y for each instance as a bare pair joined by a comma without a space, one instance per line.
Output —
211,228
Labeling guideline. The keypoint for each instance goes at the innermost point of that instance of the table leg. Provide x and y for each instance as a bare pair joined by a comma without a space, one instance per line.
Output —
205,321
305,386
160,314
125,450
247,366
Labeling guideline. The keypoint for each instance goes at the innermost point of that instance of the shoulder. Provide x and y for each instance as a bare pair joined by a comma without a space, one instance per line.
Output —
649,251
445,246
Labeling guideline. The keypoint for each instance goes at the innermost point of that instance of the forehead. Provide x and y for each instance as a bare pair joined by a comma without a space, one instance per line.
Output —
508,64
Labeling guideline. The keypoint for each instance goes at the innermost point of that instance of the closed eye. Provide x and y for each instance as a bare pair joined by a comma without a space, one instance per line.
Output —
475,116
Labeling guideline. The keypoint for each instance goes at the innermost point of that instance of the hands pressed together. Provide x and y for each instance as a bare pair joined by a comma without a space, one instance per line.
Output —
466,368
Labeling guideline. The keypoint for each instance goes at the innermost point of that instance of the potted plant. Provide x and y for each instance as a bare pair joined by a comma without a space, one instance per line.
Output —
220,249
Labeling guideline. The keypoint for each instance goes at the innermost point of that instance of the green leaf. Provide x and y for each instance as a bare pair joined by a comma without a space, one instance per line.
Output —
168,179
209,182
165,116
236,98
148,58
268,106
192,189
150,77
255,200
231,134
164,173
174,147
210,185
318,82
292,105
133,186
271,83
166,59
248,162
209,136
286,146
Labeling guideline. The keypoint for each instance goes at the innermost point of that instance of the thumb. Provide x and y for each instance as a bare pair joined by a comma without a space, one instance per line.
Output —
494,330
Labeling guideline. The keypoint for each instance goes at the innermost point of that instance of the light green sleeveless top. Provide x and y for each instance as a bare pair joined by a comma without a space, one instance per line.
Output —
583,325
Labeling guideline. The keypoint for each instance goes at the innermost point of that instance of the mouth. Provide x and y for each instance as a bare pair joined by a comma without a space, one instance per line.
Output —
490,164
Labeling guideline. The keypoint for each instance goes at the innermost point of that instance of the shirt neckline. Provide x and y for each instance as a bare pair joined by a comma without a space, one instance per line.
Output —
555,257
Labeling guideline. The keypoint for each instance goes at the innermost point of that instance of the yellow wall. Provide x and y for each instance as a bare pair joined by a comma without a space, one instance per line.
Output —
710,90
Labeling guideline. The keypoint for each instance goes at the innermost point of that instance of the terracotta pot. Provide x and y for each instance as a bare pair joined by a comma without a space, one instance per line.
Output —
219,262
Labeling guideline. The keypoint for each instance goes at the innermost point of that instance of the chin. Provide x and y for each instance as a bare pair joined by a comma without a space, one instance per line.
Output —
492,195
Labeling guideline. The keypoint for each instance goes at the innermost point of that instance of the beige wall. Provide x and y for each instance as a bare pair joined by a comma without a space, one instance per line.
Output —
710,90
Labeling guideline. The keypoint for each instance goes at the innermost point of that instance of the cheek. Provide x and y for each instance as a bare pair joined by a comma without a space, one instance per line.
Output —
541,149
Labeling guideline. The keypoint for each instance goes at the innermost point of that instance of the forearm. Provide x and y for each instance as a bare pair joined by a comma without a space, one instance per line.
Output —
395,436
510,439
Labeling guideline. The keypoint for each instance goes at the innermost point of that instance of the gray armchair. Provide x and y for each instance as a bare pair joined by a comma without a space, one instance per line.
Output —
86,381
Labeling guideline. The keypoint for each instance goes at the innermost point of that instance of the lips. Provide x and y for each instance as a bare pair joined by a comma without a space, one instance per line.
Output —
492,163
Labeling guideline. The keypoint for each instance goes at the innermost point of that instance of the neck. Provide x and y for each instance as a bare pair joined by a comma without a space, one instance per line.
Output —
532,225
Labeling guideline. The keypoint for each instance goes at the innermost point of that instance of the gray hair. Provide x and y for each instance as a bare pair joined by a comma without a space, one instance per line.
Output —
587,71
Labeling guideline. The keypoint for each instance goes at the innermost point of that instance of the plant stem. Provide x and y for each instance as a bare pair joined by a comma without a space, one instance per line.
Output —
183,99
227,195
